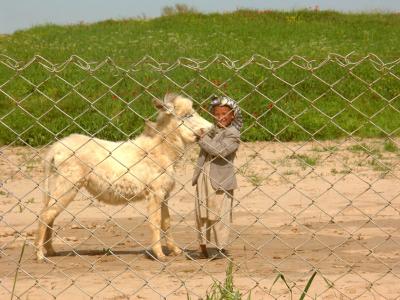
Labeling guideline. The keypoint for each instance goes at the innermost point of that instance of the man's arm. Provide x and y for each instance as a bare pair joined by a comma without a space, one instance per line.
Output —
229,144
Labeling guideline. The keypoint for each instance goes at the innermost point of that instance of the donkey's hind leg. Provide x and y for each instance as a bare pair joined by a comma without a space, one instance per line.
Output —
61,191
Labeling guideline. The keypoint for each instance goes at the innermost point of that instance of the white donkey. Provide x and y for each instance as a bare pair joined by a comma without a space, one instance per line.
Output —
119,172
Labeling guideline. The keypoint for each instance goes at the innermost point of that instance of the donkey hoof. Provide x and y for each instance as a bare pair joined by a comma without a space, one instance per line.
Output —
161,258
40,256
176,251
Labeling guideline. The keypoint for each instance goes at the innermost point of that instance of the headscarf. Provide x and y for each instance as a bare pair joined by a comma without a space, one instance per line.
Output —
237,121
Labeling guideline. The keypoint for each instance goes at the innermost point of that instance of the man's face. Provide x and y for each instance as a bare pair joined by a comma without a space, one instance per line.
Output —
223,116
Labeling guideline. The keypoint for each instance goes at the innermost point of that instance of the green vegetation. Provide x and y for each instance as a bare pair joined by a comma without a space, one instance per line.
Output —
305,160
239,35
390,147
345,171
294,101
16,271
380,166
226,291
290,289
366,149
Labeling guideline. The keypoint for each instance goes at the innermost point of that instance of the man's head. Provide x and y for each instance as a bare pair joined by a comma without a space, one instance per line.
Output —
226,112
223,115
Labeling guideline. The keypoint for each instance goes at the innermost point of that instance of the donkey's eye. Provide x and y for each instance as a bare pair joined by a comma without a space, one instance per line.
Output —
187,116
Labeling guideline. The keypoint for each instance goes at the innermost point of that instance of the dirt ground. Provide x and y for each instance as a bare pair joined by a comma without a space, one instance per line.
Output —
330,206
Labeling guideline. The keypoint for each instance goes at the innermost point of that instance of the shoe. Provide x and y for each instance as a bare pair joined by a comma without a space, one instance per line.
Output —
207,253
215,253
195,255
225,252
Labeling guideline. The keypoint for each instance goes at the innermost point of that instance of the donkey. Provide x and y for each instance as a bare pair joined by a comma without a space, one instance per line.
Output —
120,172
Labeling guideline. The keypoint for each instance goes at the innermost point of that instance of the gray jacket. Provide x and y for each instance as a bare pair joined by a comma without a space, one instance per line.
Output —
222,149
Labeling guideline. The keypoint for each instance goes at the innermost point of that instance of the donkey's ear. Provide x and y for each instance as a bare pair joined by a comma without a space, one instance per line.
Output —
165,107
169,97
158,104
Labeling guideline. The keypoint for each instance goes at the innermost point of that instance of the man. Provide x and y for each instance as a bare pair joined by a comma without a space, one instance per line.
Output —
214,176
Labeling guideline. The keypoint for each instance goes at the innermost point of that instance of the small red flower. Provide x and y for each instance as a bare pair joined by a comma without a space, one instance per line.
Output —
255,114
270,105
216,82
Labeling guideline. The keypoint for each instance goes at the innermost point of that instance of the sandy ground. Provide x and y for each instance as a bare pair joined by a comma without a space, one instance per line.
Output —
338,215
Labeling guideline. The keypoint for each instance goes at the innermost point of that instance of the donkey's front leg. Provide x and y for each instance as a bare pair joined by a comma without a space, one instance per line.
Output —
165,225
154,213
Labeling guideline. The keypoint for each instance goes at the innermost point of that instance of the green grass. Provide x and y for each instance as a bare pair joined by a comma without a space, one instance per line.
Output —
226,290
274,34
367,149
305,160
335,172
390,147
16,271
380,165
286,102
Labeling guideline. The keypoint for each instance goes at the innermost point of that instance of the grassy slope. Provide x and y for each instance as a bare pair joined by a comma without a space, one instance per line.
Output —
276,35
239,35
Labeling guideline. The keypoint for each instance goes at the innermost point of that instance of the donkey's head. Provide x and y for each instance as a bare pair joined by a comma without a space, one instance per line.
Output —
177,115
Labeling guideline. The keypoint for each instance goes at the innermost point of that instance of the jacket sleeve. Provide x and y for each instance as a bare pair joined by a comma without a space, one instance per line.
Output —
229,144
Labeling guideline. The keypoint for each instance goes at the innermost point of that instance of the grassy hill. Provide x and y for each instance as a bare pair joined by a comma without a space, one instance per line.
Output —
287,103
277,35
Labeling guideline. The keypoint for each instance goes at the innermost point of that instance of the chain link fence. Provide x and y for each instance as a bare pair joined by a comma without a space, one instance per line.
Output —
315,215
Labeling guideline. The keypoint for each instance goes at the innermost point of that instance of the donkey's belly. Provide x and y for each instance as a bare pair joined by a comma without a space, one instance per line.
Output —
118,192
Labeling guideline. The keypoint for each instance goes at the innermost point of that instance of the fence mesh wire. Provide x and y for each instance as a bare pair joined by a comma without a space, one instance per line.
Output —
317,169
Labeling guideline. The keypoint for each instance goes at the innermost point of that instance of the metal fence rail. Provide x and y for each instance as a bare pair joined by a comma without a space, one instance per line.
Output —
317,169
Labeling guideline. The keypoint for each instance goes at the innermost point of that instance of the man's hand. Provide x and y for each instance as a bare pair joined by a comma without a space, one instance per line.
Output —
201,134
